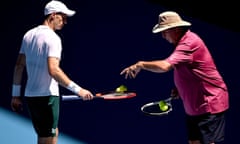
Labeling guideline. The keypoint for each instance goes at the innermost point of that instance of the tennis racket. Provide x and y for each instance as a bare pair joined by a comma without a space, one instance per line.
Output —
153,108
107,96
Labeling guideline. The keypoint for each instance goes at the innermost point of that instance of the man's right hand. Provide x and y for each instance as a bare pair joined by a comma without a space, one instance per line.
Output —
85,94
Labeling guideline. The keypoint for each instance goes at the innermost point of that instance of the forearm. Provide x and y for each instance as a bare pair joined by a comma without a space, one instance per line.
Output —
17,75
60,77
65,81
16,86
158,66
18,69
58,74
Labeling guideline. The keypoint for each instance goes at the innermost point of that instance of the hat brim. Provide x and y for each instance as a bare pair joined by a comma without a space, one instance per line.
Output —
69,13
159,28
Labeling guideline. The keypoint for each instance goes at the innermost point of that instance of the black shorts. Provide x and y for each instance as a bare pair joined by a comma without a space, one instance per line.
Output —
207,127
44,112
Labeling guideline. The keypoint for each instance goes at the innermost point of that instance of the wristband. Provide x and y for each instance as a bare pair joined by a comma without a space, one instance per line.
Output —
74,87
16,90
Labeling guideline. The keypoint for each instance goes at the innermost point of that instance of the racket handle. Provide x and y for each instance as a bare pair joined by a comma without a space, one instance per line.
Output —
75,97
169,99
70,97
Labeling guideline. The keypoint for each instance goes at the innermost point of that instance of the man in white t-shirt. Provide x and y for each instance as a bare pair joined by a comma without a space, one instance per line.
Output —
40,53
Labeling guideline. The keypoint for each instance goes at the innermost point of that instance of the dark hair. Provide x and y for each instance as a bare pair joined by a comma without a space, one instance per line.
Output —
46,16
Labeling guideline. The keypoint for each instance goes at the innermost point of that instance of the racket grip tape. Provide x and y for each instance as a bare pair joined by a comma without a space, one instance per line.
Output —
76,97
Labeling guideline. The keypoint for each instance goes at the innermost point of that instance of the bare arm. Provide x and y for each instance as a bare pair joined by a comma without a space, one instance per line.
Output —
158,66
18,70
16,102
58,74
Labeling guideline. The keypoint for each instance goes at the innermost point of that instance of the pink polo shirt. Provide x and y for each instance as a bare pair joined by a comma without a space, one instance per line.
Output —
196,77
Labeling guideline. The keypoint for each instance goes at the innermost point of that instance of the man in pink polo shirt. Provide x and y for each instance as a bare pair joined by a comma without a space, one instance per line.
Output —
198,82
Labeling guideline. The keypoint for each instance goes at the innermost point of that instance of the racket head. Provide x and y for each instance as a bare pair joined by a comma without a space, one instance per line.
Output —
106,96
153,109
116,95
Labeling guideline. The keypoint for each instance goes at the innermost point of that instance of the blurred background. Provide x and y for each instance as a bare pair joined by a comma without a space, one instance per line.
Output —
98,42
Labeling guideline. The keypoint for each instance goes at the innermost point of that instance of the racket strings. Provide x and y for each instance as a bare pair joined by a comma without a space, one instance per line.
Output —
154,109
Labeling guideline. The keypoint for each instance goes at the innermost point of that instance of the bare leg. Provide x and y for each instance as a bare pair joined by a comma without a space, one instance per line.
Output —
48,140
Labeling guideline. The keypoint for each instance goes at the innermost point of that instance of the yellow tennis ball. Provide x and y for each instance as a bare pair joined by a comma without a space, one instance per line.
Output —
121,89
161,103
118,90
163,106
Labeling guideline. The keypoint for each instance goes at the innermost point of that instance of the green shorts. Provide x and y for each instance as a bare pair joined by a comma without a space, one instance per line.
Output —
44,112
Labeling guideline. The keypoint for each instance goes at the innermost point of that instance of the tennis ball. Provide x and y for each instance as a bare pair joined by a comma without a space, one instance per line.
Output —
118,90
161,103
121,89
163,106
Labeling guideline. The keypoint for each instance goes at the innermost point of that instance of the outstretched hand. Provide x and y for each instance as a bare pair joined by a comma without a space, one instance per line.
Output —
131,71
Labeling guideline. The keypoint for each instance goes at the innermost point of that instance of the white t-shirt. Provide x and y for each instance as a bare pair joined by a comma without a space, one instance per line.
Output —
38,44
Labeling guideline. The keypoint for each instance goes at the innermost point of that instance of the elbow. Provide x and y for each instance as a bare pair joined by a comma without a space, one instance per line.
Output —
166,67
52,71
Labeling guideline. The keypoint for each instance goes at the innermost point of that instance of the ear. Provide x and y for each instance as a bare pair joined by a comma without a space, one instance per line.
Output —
51,16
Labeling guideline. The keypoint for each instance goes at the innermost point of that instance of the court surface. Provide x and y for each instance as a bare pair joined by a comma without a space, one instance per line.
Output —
15,129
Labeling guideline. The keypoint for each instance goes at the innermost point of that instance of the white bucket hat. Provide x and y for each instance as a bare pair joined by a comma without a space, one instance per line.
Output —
167,20
57,6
